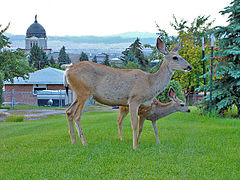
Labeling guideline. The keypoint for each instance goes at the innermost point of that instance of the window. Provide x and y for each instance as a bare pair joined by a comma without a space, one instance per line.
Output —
39,87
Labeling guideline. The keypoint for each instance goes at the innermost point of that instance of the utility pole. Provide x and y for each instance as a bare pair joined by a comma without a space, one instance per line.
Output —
211,75
204,68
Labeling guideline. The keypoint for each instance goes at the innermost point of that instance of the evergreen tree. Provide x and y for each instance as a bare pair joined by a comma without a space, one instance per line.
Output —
134,54
94,59
226,84
63,57
38,58
106,60
52,61
83,57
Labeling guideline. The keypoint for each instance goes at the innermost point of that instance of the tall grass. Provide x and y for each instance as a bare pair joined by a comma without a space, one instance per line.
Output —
192,147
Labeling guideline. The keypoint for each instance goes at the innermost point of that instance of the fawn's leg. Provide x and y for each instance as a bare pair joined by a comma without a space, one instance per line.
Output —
140,126
154,123
123,111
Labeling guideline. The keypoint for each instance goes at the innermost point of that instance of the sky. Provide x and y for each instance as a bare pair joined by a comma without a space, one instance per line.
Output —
105,17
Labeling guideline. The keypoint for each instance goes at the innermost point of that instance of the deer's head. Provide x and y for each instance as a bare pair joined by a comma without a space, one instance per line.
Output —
173,60
178,104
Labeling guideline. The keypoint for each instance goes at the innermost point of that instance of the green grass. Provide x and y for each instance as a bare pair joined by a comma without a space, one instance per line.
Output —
14,119
192,147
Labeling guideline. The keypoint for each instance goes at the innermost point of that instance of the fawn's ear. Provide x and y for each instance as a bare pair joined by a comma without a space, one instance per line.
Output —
161,47
172,93
176,48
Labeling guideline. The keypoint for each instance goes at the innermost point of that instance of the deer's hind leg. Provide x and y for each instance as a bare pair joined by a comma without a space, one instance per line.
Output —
70,113
82,100
133,109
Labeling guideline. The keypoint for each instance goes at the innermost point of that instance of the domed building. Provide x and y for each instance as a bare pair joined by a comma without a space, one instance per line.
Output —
36,35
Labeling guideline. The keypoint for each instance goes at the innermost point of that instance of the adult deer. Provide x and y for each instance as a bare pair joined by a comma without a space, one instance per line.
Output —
154,112
119,87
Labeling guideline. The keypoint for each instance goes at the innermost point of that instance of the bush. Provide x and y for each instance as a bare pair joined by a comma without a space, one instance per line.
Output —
163,97
14,119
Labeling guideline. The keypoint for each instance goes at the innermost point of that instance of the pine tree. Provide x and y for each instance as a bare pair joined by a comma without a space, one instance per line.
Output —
94,59
38,58
106,60
83,57
63,57
134,54
52,61
226,85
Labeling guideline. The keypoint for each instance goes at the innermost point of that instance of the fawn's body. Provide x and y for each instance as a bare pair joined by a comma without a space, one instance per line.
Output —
154,112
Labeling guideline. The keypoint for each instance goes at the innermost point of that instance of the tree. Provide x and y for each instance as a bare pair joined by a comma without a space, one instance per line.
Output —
83,57
226,84
94,59
191,50
38,58
52,61
106,60
134,54
63,57
12,63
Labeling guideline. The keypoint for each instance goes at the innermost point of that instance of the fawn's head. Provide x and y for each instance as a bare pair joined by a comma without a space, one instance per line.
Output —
172,58
178,103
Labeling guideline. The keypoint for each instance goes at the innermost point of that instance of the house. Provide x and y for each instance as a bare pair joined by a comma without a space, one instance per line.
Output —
25,92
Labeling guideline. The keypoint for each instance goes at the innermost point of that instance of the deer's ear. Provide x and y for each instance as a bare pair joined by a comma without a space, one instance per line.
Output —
155,101
176,48
161,46
172,93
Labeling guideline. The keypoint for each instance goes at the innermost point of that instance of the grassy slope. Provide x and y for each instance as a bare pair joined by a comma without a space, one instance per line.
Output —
193,147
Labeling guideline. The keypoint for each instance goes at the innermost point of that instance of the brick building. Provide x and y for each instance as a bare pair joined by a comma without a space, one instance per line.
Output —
25,91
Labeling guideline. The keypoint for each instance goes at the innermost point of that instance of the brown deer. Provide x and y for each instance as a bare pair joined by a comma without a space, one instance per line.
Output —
154,112
119,87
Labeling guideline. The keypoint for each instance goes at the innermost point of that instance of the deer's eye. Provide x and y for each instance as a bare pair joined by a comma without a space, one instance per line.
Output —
175,58
182,105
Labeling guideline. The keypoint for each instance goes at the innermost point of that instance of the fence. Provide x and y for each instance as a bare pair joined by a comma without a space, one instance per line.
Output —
192,99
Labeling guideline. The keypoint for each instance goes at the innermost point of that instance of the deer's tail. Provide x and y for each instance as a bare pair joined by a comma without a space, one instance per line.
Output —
66,84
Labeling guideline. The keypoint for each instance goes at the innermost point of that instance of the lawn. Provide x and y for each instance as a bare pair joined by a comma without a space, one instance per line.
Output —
192,147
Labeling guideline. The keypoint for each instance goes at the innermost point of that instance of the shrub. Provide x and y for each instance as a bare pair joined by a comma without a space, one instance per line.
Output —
14,119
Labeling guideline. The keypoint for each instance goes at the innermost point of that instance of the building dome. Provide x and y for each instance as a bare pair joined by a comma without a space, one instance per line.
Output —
36,30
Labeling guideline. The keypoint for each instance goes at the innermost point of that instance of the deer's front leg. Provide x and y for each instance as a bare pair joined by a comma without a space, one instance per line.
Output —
133,108
154,123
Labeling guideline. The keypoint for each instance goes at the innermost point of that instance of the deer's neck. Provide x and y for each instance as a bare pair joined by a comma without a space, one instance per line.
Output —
161,78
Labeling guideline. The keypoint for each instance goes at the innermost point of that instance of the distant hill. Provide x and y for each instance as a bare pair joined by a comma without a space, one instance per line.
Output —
116,42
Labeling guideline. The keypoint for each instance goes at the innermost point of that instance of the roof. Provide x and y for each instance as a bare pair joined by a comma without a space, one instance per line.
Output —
36,30
44,76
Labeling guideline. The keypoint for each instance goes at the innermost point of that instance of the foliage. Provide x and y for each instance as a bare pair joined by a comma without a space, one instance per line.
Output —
226,85
191,50
106,60
52,61
134,54
1,88
38,58
163,97
131,65
83,57
94,59
14,119
192,146
63,57
12,64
